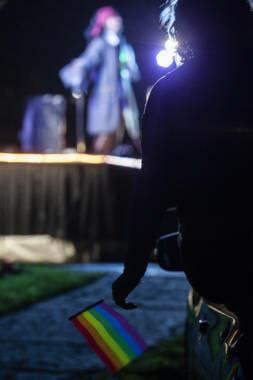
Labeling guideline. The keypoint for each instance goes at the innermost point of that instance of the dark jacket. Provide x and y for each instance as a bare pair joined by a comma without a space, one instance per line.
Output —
197,153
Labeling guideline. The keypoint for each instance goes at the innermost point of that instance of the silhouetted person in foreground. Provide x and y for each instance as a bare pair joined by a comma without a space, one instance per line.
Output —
197,152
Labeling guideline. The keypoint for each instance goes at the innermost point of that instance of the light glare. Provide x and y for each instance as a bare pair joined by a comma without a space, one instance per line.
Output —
164,58
171,46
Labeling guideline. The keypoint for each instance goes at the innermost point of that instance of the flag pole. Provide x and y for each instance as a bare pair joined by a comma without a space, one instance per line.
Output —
87,308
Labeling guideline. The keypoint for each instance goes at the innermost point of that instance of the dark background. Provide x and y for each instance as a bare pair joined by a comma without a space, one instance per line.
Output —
38,37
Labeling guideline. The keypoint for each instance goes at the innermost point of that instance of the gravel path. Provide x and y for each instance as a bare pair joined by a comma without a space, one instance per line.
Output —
40,343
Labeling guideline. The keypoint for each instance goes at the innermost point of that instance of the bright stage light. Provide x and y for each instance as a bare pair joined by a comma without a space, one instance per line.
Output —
164,58
171,46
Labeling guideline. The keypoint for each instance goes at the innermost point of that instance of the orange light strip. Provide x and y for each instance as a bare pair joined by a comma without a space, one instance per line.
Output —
70,158
51,158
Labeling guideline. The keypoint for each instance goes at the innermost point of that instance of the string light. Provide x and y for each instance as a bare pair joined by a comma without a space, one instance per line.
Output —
69,158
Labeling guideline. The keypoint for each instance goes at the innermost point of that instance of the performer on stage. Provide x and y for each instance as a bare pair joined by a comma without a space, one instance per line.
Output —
106,69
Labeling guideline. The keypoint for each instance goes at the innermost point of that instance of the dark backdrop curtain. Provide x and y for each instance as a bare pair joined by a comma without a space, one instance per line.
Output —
75,202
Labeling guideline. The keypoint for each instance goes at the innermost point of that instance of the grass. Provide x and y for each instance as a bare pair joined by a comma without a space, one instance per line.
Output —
38,282
161,362
35,283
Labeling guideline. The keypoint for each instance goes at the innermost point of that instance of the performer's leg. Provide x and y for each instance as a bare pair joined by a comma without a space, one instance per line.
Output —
104,143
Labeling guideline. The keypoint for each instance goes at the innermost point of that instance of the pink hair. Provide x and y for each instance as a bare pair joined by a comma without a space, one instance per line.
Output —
100,18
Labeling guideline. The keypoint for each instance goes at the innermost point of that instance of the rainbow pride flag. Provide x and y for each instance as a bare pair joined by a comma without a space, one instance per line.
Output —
113,339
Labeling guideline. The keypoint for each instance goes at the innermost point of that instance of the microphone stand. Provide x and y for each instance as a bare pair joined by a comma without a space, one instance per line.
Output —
79,98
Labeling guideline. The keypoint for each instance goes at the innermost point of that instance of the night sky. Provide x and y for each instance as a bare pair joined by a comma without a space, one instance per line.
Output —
38,37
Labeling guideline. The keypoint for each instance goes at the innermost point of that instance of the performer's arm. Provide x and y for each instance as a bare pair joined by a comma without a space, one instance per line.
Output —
92,55
75,74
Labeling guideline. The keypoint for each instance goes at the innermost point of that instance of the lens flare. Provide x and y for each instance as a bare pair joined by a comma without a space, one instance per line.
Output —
164,58
171,46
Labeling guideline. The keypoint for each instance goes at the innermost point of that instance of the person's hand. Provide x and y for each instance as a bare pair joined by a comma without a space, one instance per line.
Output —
77,63
121,288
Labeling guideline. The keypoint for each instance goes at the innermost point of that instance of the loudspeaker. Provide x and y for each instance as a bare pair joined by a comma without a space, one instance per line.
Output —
44,124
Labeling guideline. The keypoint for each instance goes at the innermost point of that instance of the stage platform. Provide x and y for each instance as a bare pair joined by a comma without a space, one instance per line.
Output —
78,198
